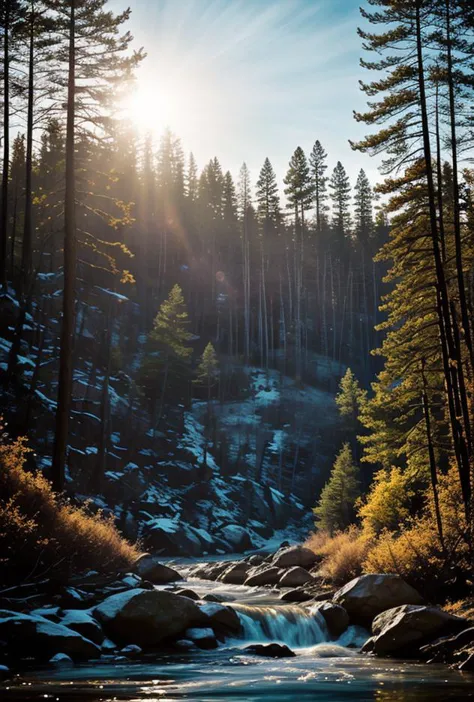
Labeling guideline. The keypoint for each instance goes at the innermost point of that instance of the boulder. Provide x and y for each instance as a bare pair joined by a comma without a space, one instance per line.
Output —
268,575
149,568
335,616
203,638
403,630
256,559
186,592
237,537
236,574
83,622
223,619
445,649
295,556
297,595
209,571
273,650
294,577
368,595
146,617
41,639
210,597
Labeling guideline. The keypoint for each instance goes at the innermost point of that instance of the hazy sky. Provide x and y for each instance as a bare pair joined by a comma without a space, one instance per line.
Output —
246,79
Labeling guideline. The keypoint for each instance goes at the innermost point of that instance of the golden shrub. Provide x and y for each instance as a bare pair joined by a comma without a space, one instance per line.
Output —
342,554
41,533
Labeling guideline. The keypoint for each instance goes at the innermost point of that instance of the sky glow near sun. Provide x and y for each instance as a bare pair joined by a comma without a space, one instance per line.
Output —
246,79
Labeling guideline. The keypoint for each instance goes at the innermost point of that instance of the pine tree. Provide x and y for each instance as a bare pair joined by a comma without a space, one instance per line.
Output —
268,201
336,506
317,162
363,217
168,352
192,179
299,190
340,195
207,372
351,397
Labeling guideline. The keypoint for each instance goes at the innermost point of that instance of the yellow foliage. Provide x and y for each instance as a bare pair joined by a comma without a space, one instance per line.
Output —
416,552
342,554
39,531
387,505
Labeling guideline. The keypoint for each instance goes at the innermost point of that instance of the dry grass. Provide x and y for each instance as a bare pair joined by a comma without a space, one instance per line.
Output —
42,535
342,555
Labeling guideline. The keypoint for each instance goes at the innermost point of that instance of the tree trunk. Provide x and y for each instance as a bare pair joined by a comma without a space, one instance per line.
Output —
28,222
67,332
6,148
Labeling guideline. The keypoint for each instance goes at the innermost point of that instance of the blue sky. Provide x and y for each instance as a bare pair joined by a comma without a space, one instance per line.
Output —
246,79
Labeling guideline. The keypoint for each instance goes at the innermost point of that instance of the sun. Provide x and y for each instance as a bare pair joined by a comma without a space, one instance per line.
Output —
150,108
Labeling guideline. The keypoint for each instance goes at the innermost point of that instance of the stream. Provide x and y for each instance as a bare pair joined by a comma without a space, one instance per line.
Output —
321,670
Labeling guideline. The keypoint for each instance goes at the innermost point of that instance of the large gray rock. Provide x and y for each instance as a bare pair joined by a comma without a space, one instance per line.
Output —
368,595
335,616
222,619
295,577
83,622
150,568
268,575
202,637
295,556
297,595
40,638
402,630
237,537
236,574
146,617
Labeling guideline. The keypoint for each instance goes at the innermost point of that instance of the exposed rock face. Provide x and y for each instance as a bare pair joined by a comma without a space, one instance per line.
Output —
42,639
236,574
149,568
222,619
335,616
294,577
401,630
237,537
295,556
273,650
369,595
146,617
268,575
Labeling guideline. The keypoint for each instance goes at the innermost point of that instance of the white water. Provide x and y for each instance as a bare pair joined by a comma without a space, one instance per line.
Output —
285,624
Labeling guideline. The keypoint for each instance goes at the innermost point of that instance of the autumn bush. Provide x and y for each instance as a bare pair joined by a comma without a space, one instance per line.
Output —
437,565
342,555
42,535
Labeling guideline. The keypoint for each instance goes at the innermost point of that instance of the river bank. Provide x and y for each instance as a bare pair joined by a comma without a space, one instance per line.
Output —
217,632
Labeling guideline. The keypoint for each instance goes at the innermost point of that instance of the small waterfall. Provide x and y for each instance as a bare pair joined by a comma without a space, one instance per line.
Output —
285,624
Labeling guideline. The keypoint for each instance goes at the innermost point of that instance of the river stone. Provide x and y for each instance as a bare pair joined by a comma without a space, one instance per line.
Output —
236,574
368,595
403,629
295,556
237,537
188,593
203,638
264,576
83,622
273,650
146,617
296,595
149,568
294,577
222,618
40,638
211,597
335,616
256,559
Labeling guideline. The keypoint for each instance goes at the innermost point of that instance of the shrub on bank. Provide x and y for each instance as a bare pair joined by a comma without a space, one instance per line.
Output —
342,554
43,535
